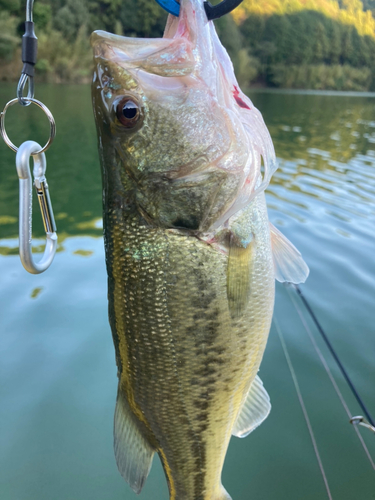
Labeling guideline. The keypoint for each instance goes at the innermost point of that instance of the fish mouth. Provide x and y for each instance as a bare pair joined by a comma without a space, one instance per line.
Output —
169,57
127,48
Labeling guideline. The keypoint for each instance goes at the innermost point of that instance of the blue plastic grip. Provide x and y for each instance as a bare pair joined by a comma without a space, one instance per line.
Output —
170,6
212,11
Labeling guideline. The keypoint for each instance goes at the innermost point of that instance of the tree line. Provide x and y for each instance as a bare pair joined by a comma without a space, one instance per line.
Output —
320,44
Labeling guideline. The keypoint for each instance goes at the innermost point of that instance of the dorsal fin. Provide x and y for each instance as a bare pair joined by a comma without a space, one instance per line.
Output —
255,409
288,261
132,450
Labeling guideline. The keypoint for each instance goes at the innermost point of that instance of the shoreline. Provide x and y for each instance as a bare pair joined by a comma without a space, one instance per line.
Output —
256,89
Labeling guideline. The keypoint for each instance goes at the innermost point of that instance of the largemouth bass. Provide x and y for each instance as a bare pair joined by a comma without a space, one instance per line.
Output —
190,255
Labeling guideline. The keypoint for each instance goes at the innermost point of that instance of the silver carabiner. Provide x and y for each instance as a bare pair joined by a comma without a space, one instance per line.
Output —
25,151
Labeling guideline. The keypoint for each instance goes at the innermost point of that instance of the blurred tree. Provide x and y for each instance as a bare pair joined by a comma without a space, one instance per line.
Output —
286,42
11,6
369,5
231,38
320,48
266,51
352,6
247,68
143,18
270,47
42,15
71,17
303,40
334,40
252,29
8,35
346,45
366,49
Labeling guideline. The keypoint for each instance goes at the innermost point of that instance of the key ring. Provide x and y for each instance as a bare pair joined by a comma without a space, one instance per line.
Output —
47,113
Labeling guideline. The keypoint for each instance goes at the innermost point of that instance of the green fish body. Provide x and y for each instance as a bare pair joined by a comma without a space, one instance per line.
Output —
190,256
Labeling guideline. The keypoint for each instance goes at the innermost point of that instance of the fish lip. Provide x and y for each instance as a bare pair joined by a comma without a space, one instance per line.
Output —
129,49
101,41
99,36
104,44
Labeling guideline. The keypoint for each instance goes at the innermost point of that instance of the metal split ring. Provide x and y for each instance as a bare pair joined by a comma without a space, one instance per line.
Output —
43,108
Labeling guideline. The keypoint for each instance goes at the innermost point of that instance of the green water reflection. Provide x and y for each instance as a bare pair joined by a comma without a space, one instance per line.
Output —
58,375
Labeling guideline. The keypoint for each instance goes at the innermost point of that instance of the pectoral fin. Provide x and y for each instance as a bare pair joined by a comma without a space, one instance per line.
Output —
240,260
255,409
289,264
132,451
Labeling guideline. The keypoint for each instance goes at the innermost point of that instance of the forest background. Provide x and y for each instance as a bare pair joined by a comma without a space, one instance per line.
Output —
316,44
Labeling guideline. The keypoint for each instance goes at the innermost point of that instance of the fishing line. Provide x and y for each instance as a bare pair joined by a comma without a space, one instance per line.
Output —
304,410
329,373
335,356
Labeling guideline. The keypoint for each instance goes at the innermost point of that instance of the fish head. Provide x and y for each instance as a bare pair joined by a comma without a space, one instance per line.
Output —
170,119
152,109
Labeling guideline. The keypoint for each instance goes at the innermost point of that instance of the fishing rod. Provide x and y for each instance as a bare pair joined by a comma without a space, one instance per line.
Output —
359,420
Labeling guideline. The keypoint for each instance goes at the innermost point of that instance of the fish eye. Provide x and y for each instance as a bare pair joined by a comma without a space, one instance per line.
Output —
128,111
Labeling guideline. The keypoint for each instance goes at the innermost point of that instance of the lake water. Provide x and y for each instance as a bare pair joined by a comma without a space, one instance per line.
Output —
58,374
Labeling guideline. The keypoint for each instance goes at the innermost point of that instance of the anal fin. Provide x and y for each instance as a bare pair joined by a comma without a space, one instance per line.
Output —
132,450
254,411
